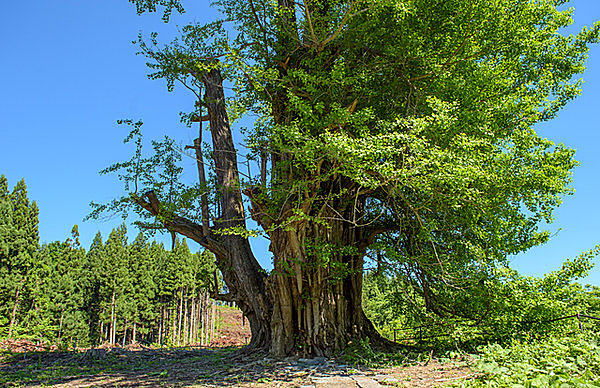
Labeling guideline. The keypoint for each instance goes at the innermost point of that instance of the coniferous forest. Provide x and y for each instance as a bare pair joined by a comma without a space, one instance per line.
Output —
115,292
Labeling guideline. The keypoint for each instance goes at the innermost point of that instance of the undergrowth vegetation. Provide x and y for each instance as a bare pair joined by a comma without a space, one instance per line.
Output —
522,331
572,361
505,307
556,361
362,353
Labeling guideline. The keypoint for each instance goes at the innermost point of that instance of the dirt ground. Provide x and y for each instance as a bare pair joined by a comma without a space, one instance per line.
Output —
222,365
232,328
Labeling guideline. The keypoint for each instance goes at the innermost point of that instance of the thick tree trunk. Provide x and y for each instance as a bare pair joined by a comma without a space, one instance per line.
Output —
241,272
311,302
316,287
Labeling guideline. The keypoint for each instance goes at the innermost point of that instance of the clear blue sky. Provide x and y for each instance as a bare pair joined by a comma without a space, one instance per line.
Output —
69,71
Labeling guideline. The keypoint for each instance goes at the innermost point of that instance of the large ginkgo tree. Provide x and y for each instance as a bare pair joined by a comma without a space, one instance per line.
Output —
398,132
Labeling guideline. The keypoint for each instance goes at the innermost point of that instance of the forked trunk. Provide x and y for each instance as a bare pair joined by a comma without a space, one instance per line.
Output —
311,303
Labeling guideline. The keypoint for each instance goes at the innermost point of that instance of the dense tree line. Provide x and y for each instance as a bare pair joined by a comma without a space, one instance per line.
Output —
115,292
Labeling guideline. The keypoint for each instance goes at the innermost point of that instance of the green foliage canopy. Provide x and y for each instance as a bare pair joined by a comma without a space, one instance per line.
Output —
425,110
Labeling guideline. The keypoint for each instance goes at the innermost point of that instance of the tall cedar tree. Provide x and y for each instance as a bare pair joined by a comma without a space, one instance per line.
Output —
7,233
397,130
19,244
59,302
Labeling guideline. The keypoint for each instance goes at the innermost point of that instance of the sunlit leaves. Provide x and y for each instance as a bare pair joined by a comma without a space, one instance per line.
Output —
554,362
153,5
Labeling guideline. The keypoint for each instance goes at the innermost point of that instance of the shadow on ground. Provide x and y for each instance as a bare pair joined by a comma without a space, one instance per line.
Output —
144,368
197,367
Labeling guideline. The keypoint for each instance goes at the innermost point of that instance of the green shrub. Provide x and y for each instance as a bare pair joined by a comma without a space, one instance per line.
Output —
555,362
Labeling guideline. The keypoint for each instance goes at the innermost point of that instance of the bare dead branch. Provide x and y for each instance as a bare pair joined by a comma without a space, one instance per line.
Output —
199,119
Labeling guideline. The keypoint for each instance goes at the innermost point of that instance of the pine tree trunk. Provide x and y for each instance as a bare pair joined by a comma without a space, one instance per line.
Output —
179,317
192,324
124,334
62,314
213,319
206,313
199,320
13,315
113,320
185,319
160,325
173,318
203,321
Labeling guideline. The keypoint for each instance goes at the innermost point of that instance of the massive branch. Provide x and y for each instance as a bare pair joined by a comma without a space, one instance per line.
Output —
181,225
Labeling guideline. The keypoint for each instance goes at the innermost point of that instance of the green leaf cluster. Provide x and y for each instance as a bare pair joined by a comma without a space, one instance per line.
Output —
428,122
